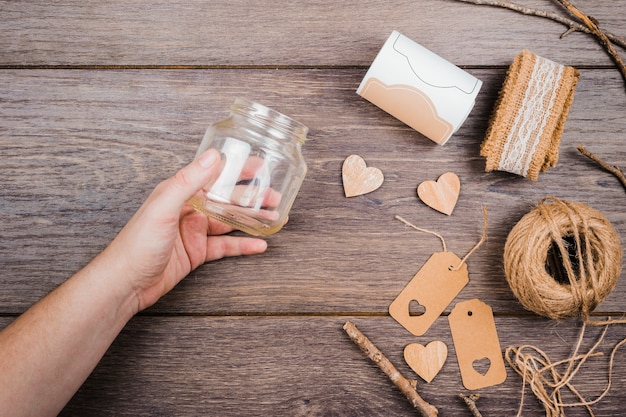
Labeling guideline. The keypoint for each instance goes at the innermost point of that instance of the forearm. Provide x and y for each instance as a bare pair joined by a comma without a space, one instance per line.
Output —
48,352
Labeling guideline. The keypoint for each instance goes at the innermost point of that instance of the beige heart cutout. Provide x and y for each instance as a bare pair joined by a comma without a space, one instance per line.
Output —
427,360
358,179
441,195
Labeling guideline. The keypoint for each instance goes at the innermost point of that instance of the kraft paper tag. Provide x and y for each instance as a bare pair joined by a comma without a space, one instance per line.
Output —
433,287
476,343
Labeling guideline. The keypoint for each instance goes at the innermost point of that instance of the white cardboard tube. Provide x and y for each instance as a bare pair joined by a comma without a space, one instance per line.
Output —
421,89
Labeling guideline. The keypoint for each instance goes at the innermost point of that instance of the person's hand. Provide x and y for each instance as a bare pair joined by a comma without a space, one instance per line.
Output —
166,238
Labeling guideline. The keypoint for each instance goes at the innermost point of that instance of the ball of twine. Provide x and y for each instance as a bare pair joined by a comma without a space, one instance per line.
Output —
580,241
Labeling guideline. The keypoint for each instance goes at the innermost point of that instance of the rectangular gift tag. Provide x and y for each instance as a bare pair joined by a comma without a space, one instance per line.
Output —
433,288
476,343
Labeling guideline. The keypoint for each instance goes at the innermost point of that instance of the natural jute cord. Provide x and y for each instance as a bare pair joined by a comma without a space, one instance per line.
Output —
585,254
547,378
588,254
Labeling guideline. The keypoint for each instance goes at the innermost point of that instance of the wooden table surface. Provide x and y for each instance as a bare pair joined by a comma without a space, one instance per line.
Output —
99,101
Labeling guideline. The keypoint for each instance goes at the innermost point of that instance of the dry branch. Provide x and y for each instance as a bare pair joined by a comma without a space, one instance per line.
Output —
589,25
595,30
613,169
571,24
470,401
406,386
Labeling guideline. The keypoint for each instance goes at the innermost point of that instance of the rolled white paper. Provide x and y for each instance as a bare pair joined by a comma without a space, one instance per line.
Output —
421,89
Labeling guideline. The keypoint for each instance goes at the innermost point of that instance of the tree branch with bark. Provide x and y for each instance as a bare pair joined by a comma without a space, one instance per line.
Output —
405,385
583,23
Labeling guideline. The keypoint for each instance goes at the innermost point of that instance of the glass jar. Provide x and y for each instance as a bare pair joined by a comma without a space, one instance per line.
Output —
261,169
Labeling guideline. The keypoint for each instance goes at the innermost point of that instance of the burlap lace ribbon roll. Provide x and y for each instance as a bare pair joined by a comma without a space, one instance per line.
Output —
525,128
587,251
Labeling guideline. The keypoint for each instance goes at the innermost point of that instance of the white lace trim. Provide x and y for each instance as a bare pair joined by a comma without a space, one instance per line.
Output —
531,118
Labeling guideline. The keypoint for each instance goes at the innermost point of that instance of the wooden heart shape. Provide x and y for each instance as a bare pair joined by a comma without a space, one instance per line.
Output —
441,195
358,179
427,360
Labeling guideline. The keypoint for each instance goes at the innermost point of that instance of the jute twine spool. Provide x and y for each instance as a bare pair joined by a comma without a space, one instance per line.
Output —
584,243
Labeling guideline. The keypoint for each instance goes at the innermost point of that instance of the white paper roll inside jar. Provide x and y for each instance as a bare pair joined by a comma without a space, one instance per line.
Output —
419,88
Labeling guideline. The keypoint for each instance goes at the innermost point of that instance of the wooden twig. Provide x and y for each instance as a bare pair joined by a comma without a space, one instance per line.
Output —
571,24
613,169
470,401
406,386
589,25
595,30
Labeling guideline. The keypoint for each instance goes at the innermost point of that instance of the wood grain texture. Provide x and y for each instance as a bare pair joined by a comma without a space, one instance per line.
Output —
359,179
311,33
426,360
82,149
307,366
441,194
100,101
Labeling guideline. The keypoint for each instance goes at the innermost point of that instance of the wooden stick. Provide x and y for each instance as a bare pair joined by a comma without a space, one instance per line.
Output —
613,169
407,387
571,24
470,401
595,30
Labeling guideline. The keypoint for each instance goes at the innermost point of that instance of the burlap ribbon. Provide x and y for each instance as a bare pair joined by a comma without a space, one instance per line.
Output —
525,129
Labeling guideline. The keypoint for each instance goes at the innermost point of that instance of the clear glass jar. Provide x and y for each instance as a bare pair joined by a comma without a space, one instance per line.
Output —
261,169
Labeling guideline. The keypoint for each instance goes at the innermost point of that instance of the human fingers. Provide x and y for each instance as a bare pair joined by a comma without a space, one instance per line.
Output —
174,192
217,227
251,195
223,246
250,168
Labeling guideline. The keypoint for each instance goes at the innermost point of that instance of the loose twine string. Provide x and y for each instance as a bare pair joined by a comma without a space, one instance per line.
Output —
589,252
443,241
532,364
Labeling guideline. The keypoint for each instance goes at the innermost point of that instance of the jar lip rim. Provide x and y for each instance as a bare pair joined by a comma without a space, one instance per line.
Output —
265,114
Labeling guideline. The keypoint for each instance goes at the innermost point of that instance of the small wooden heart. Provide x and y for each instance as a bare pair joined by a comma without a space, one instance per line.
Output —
427,360
358,179
441,195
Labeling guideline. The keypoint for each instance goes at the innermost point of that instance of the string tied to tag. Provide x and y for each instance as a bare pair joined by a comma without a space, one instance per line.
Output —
443,241
433,287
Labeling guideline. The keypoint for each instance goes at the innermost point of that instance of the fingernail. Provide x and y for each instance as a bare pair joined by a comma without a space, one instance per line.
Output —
261,246
207,159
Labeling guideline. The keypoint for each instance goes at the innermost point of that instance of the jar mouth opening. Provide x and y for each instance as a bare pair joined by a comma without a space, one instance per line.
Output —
265,115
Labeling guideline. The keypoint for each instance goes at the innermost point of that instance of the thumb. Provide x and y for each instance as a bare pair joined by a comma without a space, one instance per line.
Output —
188,181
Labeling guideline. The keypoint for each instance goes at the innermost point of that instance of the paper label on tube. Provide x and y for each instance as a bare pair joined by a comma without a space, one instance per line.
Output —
420,88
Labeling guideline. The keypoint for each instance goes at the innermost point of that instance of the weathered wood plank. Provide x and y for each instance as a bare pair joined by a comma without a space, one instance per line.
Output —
310,33
285,366
81,150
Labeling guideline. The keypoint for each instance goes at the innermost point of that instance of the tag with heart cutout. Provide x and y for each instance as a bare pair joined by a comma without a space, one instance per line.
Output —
442,194
358,178
476,344
431,290
427,360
